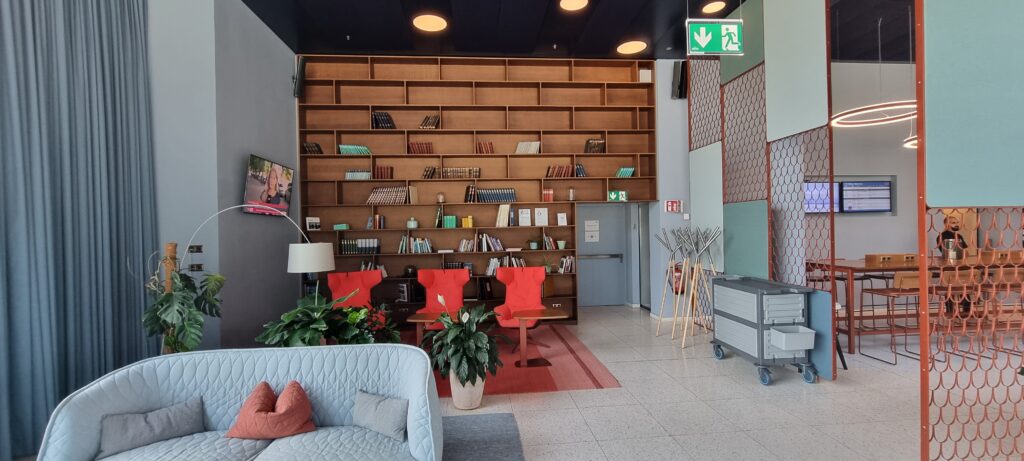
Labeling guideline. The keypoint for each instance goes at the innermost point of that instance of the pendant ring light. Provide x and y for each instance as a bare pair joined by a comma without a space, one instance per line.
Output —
911,142
906,110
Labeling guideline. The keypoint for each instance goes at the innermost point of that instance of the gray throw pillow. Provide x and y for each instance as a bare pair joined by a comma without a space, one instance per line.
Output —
381,414
124,432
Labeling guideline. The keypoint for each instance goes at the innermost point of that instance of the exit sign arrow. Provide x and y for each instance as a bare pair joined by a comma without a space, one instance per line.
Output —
714,37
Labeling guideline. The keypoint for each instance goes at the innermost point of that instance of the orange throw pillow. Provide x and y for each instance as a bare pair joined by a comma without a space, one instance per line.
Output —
265,416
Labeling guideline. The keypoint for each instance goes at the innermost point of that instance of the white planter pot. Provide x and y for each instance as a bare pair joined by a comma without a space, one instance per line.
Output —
466,397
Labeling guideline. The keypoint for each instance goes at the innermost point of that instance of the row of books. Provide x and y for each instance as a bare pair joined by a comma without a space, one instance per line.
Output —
381,121
414,245
528,147
505,261
594,146
359,246
370,265
388,195
312,148
383,172
449,222
355,175
466,246
484,147
457,265
353,149
375,222
567,265
561,171
625,172
501,195
421,148
460,172
488,243
430,122
549,243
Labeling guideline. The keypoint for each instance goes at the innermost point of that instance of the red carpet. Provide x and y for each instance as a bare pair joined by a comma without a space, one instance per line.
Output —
572,367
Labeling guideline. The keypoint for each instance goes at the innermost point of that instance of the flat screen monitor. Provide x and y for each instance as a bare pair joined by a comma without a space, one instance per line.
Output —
867,196
268,184
816,197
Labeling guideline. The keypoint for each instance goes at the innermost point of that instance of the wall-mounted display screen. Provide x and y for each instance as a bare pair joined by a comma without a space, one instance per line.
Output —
816,197
866,196
267,184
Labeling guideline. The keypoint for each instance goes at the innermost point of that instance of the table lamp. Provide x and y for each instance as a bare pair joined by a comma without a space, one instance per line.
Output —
306,258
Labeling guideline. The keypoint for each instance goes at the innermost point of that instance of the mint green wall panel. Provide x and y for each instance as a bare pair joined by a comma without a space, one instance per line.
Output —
706,193
973,101
795,67
746,238
752,14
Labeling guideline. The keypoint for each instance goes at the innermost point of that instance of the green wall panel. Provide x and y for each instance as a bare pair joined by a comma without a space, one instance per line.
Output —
706,193
746,238
752,14
973,96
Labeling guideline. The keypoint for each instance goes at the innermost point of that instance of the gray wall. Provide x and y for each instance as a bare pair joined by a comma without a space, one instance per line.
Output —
875,151
221,90
673,174
255,115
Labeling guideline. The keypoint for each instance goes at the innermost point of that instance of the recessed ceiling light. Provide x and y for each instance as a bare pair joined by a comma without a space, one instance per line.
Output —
713,7
631,47
573,5
429,23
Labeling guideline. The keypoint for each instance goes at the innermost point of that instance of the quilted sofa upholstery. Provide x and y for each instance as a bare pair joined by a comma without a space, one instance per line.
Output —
331,375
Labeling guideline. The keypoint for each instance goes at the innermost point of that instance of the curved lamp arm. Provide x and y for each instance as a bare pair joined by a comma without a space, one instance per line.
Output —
262,207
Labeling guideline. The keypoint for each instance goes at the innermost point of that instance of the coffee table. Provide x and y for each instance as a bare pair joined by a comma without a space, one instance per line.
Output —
534,314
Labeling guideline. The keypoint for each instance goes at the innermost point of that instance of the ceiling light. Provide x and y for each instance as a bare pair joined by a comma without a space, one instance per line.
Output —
713,7
890,112
573,5
429,23
911,142
632,47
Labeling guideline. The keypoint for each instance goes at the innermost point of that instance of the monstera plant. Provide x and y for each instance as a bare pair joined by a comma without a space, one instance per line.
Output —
178,313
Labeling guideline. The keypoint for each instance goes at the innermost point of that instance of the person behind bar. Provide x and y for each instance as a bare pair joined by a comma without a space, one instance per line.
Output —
951,232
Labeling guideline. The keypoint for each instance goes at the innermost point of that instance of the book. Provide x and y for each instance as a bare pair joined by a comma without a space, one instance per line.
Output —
625,172
437,218
547,195
428,172
380,120
525,219
392,195
430,122
540,216
460,172
594,146
484,147
414,195
383,172
421,148
528,147
353,149
503,212
312,148
563,219
580,171
357,175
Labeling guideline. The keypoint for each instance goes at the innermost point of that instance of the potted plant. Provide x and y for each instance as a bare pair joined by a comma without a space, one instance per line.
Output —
464,352
179,308
316,322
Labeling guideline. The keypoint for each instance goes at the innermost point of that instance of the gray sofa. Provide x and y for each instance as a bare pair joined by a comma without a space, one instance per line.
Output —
331,376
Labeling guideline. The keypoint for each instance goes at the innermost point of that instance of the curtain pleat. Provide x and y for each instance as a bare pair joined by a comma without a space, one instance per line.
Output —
77,203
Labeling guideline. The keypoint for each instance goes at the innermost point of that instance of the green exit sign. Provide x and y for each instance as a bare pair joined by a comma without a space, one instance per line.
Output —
714,37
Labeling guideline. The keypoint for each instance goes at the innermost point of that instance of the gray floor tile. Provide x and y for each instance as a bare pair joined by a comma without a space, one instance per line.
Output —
628,422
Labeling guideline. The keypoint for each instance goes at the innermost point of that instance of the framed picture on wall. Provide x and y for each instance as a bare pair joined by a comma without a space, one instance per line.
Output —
268,184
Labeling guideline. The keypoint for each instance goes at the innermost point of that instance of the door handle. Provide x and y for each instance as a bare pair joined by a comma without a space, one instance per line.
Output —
602,256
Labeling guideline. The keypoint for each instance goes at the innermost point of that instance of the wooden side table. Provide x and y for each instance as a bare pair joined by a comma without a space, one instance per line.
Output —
534,314
421,319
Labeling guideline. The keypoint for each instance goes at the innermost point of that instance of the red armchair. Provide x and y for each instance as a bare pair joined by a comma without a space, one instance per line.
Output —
447,283
343,283
523,289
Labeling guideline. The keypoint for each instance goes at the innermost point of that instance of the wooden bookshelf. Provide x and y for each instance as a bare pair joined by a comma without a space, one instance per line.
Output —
559,103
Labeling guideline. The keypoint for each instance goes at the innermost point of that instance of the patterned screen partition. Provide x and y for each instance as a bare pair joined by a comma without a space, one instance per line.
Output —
705,102
745,141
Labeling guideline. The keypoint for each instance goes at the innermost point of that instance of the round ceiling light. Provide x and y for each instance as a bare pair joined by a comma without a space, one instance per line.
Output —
911,142
573,5
713,7
429,23
631,47
888,112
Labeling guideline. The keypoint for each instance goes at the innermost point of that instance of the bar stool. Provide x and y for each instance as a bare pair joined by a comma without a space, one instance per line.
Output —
906,286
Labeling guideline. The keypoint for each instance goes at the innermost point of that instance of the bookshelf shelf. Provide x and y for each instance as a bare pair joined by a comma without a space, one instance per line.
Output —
467,116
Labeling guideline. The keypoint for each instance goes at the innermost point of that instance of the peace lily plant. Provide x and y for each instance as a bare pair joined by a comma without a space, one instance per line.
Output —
465,352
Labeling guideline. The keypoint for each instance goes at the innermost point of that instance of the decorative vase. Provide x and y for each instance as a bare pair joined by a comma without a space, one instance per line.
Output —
412,223
440,197
466,397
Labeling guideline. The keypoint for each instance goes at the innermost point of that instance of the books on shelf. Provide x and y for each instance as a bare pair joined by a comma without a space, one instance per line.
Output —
580,171
429,172
357,175
484,147
414,245
353,149
460,172
414,195
388,195
567,265
547,195
540,216
528,147
625,172
489,243
375,222
501,195
365,246
421,148
560,171
383,172
380,120
466,245
594,146
503,215
450,222
549,243
525,217
312,148
437,219
370,265
506,261
430,122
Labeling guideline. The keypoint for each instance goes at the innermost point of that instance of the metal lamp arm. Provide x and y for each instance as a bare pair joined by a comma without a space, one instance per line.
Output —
262,207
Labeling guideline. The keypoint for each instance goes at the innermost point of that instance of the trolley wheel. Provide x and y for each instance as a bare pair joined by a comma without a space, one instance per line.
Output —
764,376
810,375
719,352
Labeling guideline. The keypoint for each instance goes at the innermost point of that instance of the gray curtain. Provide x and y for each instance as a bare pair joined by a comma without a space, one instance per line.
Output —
78,217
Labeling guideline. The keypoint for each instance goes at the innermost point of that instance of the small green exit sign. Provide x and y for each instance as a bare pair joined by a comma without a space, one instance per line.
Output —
714,37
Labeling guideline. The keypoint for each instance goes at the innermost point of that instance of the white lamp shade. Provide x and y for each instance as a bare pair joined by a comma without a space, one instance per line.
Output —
310,257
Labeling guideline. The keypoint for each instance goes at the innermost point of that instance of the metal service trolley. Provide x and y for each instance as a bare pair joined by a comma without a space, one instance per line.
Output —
764,322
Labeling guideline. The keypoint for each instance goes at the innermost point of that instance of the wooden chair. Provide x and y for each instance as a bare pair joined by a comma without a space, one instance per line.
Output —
906,286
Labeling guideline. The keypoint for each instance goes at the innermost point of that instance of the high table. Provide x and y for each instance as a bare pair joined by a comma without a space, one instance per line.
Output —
421,319
525,316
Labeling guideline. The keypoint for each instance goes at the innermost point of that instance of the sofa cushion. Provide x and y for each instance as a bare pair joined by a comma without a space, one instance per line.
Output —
204,446
381,414
123,432
340,443
267,416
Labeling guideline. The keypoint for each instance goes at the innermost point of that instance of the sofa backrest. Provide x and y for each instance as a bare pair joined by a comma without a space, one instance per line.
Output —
331,375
